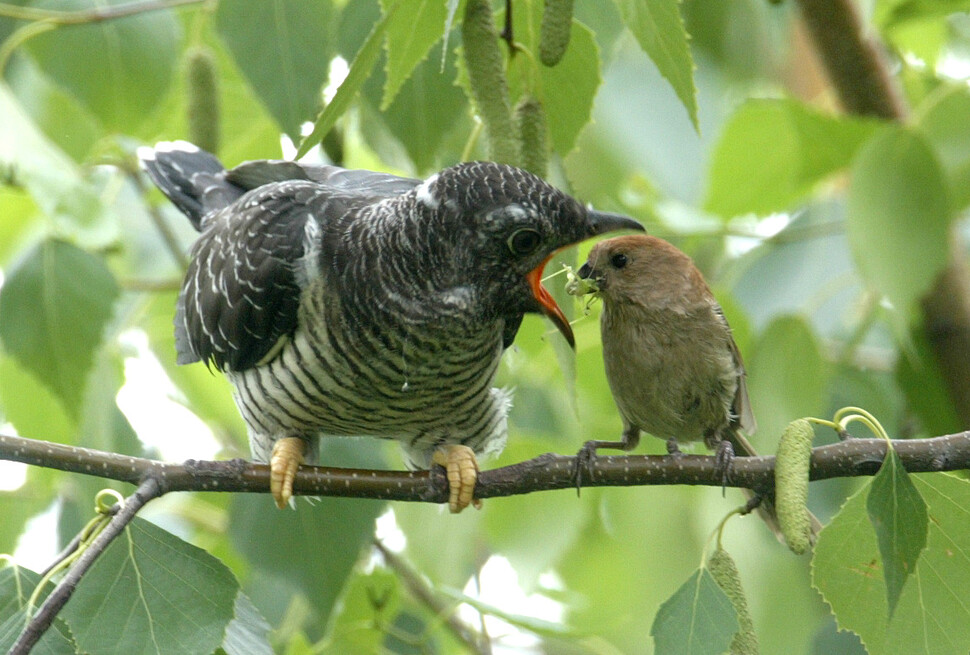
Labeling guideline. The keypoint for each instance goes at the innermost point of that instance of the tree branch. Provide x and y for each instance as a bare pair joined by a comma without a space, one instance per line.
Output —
850,458
150,488
423,592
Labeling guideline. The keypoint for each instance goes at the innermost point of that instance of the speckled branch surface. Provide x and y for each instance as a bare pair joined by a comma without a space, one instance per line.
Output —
853,457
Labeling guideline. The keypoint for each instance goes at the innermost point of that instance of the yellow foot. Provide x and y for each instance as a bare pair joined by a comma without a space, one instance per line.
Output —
285,460
462,469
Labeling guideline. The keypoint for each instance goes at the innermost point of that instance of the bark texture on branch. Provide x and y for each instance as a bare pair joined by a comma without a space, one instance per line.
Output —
851,458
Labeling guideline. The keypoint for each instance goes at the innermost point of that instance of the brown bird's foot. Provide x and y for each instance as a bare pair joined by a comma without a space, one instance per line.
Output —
587,455
673,448
461,468
283,463
723,458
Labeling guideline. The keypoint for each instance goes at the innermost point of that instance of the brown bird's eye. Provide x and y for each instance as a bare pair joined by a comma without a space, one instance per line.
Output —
618,260
524,241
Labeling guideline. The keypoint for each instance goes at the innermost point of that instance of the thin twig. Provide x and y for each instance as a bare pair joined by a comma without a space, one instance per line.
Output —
92,15
149,488
425,594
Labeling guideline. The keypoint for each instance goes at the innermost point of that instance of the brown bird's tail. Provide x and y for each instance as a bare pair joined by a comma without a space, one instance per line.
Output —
766,501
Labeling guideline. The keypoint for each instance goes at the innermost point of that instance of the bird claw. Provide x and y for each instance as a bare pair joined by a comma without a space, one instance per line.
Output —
283,463
584,460
461,469
673,448
723,458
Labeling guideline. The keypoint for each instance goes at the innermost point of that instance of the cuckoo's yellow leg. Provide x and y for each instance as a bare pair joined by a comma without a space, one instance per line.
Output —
462,470
285,460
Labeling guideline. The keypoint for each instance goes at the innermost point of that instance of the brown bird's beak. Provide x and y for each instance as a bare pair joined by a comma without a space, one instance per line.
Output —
547,304
597,223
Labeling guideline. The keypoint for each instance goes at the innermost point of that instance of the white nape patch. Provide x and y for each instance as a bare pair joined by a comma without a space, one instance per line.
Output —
176,146
145,153
425,195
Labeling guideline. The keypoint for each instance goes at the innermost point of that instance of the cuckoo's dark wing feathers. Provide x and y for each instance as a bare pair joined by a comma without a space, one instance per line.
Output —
241,293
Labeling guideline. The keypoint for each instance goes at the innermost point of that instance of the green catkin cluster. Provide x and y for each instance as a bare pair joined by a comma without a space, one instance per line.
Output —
202,82
791,484
486,76
725,574
557,22
530,125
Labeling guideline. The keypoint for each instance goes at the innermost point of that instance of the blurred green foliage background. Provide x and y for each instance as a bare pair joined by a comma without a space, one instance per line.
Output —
818,232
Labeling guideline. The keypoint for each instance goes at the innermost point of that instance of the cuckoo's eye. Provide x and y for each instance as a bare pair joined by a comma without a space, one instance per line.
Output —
524,241
619,260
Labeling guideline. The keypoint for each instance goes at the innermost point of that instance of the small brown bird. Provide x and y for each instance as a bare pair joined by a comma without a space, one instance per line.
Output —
671,361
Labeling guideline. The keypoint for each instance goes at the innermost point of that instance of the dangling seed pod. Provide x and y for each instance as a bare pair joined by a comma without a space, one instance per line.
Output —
202,80
725,574
557,23
486,76
530,123
791,484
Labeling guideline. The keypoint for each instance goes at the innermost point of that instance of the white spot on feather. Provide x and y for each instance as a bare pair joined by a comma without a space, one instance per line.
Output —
425,195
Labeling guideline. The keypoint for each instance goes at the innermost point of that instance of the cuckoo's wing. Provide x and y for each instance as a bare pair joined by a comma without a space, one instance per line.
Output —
252,174
241,293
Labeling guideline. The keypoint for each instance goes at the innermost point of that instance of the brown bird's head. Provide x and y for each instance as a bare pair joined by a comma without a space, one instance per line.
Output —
506,224
643,270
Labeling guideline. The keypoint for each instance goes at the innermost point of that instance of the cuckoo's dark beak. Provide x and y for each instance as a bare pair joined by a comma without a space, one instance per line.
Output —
603,222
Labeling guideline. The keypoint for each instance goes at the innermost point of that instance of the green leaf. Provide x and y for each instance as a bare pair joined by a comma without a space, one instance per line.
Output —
944,123
898,217
151,592
34,410
248,632
283,47
359,71
697,619
898,515
353,627
18,210
53,180
845,569
58,113
932,615
427,92
134,60
782,386
410,34
16,585
279,542
55,305
772,153
566,90
659,29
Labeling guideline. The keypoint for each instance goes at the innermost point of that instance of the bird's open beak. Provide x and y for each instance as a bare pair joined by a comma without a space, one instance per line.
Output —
597,223
547,304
